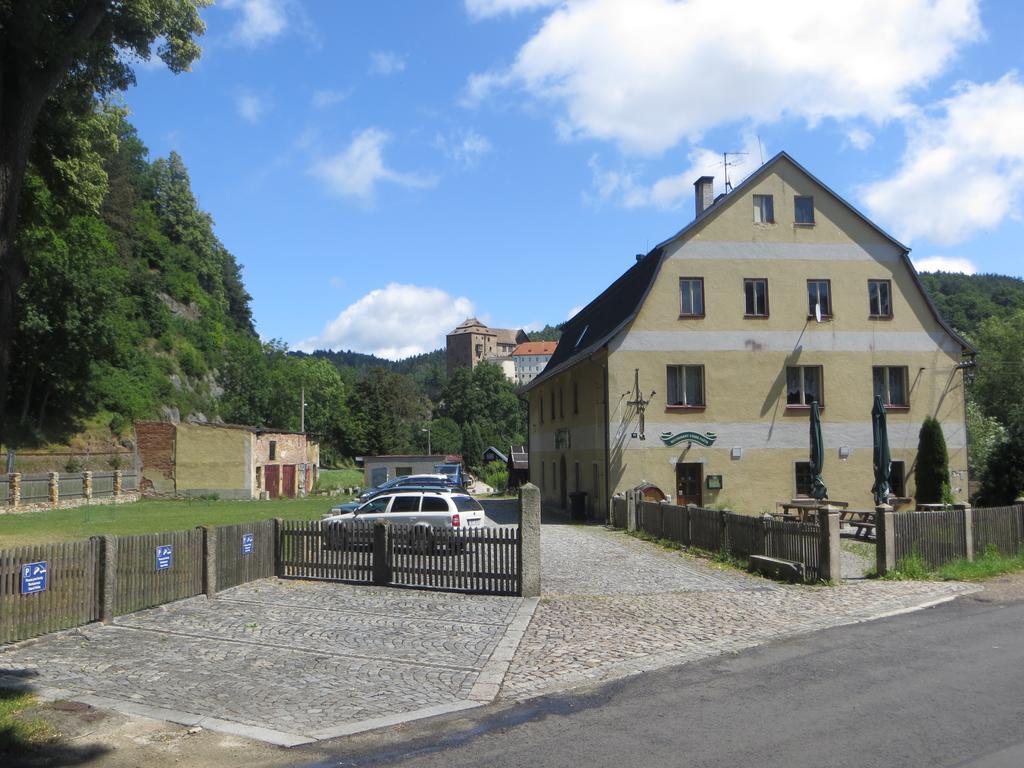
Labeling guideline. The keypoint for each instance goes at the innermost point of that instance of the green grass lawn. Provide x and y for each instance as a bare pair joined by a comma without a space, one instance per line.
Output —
349,477
149,517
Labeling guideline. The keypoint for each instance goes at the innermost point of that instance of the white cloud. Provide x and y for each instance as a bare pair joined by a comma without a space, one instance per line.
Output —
327,97
485,9
394,322
945,264
668,192
355,171
250,106
262,20
465,147
386,63
859,138
963,169
649,73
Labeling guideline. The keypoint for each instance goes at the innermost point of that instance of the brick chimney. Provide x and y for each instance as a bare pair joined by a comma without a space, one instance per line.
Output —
704,193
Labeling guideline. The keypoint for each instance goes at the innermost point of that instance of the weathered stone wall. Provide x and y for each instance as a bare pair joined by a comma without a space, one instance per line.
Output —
155,441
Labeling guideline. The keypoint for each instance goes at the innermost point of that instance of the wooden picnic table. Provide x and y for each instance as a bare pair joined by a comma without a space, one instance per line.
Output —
863,520
799,509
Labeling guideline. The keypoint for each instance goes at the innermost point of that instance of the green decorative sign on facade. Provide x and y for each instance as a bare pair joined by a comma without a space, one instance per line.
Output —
707,439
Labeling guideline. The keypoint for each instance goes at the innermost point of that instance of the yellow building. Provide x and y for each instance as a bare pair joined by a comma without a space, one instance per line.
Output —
695,370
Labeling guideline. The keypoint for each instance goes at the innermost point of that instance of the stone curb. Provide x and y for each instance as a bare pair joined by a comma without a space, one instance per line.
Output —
488,682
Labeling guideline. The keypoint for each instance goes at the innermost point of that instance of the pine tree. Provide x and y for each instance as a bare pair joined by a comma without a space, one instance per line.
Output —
931,476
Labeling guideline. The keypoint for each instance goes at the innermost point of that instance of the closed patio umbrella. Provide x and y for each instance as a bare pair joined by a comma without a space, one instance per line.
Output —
880,455
818,489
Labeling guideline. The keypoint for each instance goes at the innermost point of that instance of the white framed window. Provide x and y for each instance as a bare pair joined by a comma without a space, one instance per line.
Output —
819,294
685,385
755,297
804,385
890,383
691,297
764,209
880,298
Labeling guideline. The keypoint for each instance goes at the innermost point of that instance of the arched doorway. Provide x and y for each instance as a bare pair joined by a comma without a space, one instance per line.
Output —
562,489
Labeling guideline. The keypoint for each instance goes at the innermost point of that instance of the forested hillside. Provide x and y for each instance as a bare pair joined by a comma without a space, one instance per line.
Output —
131,298
965,300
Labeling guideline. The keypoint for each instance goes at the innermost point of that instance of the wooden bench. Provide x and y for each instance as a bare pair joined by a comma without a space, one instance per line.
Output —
863,521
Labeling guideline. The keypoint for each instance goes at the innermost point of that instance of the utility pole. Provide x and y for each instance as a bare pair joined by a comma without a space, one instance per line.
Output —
427,430
302,416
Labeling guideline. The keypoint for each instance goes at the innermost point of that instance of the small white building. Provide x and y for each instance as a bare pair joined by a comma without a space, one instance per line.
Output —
507,365
530,359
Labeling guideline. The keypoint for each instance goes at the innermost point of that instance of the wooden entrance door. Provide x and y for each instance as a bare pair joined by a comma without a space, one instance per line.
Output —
688,484
272,480
288,480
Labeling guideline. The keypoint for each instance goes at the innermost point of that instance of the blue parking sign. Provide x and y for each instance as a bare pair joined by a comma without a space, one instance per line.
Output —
33,577
247,543
164,557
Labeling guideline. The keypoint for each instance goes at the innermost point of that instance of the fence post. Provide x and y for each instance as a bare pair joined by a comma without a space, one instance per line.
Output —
209,560
54,488
885,539
689,523
87,486
15,490
529,540
631,511
381,562
829,554
969,531
278,548
118,481
108,577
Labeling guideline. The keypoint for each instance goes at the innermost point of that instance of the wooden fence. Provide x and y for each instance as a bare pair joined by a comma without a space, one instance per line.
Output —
941,536
312,549
103,484
35,489
245,553
484,560
739,535
999,527
619,511
70,597
469,560
148,575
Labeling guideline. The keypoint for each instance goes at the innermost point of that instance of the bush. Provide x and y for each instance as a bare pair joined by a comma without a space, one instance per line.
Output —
1003,478
932,471
495,474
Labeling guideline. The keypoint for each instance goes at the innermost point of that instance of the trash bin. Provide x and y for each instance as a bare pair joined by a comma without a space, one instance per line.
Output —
578,505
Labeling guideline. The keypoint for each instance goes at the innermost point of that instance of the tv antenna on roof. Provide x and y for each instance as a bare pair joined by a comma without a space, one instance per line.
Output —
726,165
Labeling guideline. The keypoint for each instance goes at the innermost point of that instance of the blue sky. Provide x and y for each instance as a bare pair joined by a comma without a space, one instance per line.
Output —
383,170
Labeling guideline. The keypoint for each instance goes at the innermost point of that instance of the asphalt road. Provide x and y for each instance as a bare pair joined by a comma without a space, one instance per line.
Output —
940,687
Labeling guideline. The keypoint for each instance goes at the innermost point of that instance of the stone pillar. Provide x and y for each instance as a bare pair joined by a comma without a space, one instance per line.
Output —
829,553
885,539
87,486
118,478
631,511
108,577
209,560
381,562
968,532
529,540
15,489
54,488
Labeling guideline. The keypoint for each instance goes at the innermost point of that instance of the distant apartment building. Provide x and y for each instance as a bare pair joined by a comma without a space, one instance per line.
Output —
472,342
530,358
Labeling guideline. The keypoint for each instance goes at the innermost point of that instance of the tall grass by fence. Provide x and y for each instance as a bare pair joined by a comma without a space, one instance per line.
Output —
941,536
739,535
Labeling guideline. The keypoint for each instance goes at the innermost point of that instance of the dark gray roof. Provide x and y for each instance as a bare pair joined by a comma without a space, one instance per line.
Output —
501,456
595,325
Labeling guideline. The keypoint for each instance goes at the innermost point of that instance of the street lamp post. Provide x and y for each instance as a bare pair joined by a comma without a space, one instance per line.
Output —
427,430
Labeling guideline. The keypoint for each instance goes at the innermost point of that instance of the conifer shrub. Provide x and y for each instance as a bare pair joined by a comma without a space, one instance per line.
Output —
931,475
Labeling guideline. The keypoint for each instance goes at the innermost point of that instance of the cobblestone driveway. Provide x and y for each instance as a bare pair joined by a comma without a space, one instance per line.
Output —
300,659
290,661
